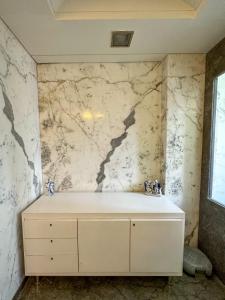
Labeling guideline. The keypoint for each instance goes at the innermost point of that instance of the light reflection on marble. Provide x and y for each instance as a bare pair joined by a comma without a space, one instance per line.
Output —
182,111
100,125
130,288
20,165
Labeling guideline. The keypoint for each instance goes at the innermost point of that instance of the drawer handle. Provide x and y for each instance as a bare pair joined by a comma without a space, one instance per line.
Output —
50,225
51,258
51,241
134,224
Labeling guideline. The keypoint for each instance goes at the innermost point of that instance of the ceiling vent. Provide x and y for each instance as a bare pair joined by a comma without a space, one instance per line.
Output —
121,38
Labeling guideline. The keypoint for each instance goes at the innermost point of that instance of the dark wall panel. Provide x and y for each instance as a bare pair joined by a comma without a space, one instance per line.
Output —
212,215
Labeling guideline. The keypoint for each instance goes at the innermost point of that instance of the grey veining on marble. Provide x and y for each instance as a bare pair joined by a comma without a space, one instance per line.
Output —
182,114
20,165
130,288
100,125
212,215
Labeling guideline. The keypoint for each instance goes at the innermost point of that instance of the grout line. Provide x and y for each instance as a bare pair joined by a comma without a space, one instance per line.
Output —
78,267
130,247
219,281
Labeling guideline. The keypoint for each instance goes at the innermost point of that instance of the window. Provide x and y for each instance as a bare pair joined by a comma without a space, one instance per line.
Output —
217,182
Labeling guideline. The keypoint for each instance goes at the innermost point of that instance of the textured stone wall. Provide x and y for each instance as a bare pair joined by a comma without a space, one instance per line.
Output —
212,215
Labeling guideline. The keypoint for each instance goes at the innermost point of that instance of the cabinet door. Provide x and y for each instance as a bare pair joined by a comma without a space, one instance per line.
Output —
103,245
157,246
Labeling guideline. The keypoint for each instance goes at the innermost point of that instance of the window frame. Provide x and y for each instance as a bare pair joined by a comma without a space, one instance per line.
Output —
212,138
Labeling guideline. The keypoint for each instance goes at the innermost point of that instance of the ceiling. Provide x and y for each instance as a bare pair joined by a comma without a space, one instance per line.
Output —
80,30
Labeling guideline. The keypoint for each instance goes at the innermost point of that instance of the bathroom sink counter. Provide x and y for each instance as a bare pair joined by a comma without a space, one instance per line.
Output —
125,204
113,234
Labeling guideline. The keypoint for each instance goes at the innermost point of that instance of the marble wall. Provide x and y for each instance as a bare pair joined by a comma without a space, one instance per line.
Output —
108,127
20,165
100,125
182,114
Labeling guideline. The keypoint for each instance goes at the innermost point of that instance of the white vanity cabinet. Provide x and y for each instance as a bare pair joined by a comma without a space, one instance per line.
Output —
103,234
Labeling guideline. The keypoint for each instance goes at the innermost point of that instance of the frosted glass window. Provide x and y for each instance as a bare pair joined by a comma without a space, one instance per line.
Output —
218,142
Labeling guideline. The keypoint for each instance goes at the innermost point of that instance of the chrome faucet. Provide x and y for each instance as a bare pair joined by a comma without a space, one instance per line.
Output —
152,188
50,187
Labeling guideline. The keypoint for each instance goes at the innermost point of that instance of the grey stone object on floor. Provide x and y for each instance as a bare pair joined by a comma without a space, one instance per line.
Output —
196,261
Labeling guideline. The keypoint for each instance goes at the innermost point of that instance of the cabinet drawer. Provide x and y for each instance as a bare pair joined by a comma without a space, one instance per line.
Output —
55,264
50,246
50,228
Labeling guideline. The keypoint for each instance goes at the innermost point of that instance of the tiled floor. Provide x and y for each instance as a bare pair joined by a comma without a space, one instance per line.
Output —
107,288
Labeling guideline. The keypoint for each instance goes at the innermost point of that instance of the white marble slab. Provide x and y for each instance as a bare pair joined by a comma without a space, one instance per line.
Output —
182,111
100,125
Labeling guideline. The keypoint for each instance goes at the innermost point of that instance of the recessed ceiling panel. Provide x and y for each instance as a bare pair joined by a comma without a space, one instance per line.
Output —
124,9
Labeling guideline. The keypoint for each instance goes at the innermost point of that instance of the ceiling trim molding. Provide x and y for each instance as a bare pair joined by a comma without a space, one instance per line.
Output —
190,11
104,58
